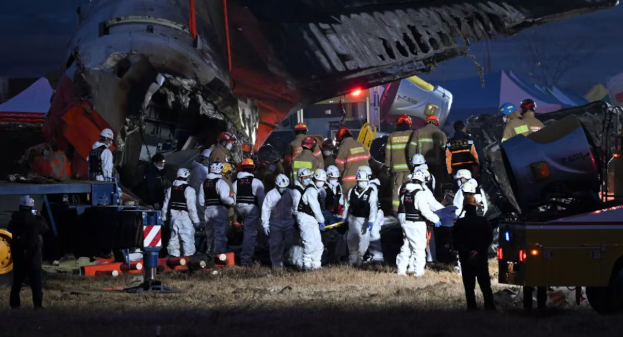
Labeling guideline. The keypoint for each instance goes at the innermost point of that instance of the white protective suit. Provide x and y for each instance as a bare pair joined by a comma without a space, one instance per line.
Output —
217,217
310,230
107,164
375,248
277,216
358,234
182,228
458,202
250,215
414,233
198,175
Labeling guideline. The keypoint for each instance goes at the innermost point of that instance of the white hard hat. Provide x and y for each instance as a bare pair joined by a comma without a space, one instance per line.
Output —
463,174
333,172
365,169
206,153
183,173
27,201
107,133
362,175
304,172
418,159
469,186
216,167
282,181
320,175
419,176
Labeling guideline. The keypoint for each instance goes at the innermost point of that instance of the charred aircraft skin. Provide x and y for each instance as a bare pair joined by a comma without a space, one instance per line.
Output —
254,62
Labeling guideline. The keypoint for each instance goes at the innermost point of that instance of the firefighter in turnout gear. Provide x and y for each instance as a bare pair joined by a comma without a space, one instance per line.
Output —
217,197
249,193
396,156
328,152
100,158
414,211
461,152
361,209
295,149
528,107
310,219
180,202
306,158
431,142
514,124
277,220
220,153
351,155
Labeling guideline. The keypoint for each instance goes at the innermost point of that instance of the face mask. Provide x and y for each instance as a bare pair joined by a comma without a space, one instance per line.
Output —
327,153
229,146
362,184
306,182
504,118
319,184
333,182
160,167
281,189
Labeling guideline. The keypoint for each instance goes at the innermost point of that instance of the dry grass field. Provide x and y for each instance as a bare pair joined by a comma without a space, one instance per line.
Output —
335,301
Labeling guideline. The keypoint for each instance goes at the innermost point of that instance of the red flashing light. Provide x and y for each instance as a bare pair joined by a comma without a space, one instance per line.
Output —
616,155
356,92
500,253
522,255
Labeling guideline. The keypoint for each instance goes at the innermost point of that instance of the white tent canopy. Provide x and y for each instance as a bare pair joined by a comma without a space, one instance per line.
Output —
32,103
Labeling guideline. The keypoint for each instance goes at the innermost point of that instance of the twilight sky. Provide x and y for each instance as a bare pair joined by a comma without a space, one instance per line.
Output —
35,33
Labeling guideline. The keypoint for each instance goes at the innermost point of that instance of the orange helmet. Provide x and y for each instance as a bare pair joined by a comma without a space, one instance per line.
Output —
248,163
432,119
300,127
308,143
227,137
341,132
404,119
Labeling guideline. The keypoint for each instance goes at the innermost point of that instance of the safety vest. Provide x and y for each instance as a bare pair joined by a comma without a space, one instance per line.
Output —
211,195
177,200
460,147
359,204
332,202
407,204
245,191
95,162
304,207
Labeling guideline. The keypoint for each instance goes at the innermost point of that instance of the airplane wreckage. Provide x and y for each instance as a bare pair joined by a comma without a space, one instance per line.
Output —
170,75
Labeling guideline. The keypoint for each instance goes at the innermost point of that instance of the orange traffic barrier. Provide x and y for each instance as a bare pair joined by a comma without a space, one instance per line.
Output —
132,266
107,267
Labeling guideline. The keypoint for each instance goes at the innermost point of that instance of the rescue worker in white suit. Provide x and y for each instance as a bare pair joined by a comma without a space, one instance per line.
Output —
310,219
470,187
375,248
277,219
361,209
180,202
216,196
249,193
461,177
419,163
413,213
303,178
431,249
199,170
100,158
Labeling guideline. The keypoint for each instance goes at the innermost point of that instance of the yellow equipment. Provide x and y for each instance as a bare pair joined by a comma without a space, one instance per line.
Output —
6,261
366,135
335,225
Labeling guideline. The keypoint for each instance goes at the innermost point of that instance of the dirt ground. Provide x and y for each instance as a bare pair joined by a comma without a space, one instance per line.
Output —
335,301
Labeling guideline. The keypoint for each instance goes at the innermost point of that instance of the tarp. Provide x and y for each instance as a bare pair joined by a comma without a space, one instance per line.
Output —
29,106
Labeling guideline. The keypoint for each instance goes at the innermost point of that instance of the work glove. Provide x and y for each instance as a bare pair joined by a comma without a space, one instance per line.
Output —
320,225
267,230
438,223
370,224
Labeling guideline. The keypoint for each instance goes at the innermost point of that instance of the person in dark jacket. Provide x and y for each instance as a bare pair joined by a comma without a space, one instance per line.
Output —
27,226
472,235
155,182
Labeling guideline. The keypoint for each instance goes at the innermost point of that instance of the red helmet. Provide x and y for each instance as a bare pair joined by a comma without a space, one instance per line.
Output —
300,127
227,137
404,119
432,119
329,143
528,105
248,163
341,132
308,143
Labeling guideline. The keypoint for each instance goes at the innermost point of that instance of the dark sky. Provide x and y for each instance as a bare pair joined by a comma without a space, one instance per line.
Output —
35,33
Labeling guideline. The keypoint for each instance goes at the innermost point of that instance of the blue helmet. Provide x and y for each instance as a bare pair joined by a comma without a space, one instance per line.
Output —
507,108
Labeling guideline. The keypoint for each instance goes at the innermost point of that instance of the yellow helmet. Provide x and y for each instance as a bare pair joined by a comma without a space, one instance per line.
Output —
227,168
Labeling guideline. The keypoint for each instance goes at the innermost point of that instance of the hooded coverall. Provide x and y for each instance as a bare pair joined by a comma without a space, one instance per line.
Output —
375,248
533,123
308,160
351,155
100,162
217,198
481,209
181,201
294,150
277,216
196,179
361,207
219,154
395,159
309,216
515,126
249,198
412,215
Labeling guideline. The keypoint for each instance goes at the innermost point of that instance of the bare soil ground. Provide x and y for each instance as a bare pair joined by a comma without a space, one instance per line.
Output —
335,301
